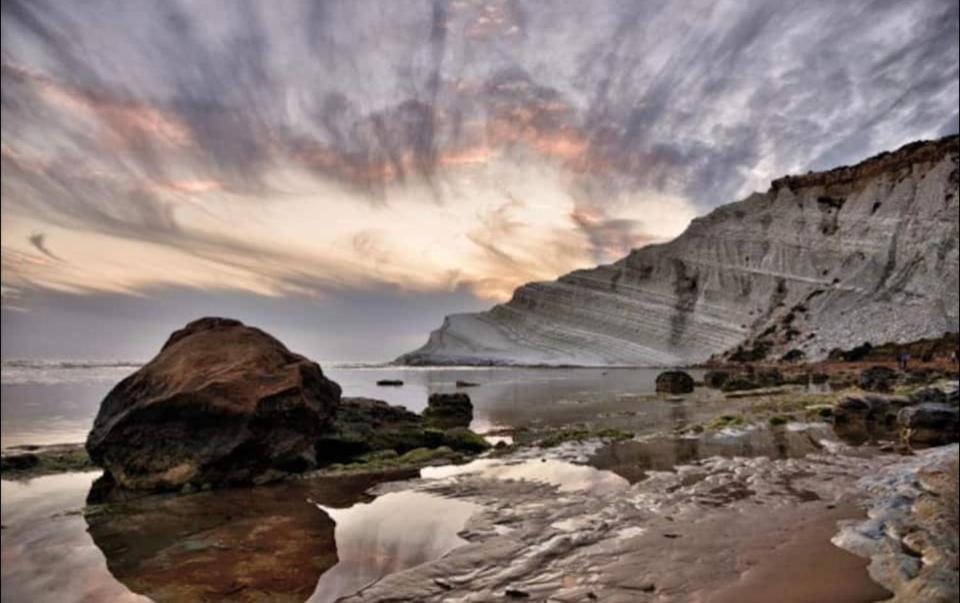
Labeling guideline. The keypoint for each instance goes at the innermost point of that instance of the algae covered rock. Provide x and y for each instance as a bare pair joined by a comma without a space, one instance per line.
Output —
446,411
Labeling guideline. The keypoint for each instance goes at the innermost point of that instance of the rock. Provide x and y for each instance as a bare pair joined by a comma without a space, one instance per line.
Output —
870,408
466,384
715,379
364,425
819,378
390,382
930,423
18,462
674,382
877,378
446,411
26,462
769,378
738,383
462,439
222,403
928,394
809,257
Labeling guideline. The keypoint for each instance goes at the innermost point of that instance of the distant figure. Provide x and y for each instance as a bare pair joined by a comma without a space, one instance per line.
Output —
953,356
906,361
902,360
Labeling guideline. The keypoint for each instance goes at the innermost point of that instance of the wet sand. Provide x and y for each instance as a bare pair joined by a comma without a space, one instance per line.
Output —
805,568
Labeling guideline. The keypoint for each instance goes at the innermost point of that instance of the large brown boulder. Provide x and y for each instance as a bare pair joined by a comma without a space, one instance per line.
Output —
222,403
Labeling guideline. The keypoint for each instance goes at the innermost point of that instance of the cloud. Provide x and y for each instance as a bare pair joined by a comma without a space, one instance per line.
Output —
38,240
305,148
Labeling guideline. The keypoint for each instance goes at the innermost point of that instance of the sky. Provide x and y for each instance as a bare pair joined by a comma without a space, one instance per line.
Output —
345,173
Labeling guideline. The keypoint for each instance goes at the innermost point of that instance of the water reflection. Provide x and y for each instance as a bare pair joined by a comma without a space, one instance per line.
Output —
265,543
513,397
43,412
46,552
566,476
48,413
633,459
395,532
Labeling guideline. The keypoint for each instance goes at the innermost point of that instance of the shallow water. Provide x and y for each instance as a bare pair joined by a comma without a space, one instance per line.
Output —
566,476
48,404
394,532
46,552
320,539
634,459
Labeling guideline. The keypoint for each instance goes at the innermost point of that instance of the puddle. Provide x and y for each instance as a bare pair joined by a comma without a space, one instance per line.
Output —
568,477
47,554
634,459
394,532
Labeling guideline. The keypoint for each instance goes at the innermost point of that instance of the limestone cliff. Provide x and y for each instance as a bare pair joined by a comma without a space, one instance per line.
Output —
820,261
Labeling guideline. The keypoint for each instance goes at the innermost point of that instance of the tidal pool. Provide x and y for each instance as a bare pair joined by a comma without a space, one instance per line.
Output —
394,532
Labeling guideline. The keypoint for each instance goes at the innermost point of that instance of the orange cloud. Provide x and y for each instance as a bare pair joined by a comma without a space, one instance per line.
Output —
127,122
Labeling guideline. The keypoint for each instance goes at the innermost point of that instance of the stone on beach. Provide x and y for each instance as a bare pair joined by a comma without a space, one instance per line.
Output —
674,382
445,411
222,403
877,378
930,423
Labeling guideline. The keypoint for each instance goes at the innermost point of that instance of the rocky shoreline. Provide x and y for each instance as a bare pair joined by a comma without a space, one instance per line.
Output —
697,509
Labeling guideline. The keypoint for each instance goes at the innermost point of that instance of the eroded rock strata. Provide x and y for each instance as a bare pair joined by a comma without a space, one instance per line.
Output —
820,261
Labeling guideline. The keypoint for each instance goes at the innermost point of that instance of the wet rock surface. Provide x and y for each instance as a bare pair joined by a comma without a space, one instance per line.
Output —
222,403
672,536
911,533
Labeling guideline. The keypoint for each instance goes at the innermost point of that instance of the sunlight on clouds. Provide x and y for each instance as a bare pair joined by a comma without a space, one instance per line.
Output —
313,234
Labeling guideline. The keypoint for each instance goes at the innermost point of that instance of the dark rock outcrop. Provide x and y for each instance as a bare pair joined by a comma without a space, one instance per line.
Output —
366,425
716,379
877,378
868,408
446,411
222,403
930,423
674,382
928,394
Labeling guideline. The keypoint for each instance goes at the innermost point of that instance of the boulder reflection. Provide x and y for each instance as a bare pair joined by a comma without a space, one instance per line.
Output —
252,544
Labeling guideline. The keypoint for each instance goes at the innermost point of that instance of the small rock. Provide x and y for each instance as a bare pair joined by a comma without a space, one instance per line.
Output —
674,382
390,382
515,593
715,379
928,394
930,423
446,411
877,378
18,462
466,384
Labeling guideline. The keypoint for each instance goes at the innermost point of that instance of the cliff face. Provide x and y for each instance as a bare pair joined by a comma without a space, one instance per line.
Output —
825,260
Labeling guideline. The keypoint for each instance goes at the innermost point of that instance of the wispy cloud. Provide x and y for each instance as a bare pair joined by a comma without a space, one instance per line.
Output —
309,148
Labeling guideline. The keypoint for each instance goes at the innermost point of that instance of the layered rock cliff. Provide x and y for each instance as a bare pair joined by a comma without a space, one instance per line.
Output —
820,261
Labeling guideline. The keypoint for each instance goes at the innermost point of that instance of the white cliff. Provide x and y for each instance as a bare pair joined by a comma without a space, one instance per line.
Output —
821,261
